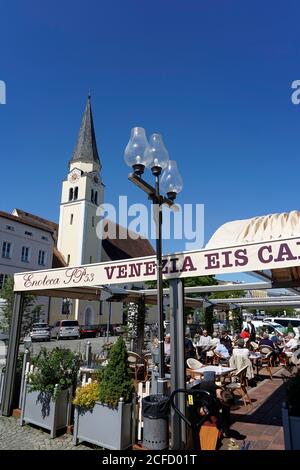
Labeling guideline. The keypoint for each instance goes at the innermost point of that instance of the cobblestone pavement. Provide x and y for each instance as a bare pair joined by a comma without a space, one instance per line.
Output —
16,437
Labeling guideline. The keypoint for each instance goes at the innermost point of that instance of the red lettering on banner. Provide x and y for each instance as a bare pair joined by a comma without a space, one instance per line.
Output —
110,271
188,265
150,268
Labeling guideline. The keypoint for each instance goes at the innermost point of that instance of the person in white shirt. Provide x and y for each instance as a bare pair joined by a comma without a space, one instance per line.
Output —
215,340
203,345
292,343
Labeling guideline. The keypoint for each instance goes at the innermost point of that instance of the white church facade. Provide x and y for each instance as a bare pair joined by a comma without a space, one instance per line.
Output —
74,240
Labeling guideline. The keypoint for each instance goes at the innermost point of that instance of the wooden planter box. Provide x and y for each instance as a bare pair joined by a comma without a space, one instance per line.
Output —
111,428
291,429
41,410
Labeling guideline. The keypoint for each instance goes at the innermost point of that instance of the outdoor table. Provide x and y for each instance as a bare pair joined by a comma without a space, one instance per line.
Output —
89,371
218,370
254,358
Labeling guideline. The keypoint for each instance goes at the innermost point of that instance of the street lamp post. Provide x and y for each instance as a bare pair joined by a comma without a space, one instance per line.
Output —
140,153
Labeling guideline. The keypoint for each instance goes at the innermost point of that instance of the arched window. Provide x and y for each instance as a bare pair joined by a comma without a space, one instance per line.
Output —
76,192
96,198
71,194
92,195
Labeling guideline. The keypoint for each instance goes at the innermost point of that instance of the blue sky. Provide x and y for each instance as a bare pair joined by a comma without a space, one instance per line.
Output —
214,77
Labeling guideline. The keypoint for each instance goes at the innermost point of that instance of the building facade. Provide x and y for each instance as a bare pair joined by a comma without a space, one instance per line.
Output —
25,246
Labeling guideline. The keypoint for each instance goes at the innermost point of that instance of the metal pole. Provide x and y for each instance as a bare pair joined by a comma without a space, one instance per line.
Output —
161,381
108,322
12,354
178,427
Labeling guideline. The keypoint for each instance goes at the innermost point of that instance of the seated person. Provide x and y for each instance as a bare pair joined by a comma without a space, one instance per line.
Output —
292,344
217,403
215,340
190,351
266,341
227,341
222,350
245,334
203,345
240,359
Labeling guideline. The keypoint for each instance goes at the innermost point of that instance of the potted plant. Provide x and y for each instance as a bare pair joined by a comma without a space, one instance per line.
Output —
105,409
48,389
291,413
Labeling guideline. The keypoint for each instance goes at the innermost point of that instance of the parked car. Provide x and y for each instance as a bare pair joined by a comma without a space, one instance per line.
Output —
89,331
285,322
66,329
271,328
40,332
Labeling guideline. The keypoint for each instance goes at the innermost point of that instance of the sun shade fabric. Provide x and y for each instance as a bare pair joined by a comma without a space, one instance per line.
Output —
258,229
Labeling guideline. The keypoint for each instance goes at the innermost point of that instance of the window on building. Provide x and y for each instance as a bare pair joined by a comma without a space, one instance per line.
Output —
96,198
28,233
93,221
25,254
92,195
6,250
10,227
91,259
44,238
71,219
68,259
42,258
76,192
71,194
3,279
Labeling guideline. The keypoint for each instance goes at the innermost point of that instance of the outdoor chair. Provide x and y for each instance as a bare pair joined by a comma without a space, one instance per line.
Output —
137,366
266,360
239,385
149,363
193,365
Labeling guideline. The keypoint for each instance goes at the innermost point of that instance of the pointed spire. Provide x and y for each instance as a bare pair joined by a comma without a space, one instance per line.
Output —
86,147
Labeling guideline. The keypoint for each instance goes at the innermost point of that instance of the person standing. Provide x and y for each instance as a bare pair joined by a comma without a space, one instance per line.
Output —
251,329
167,348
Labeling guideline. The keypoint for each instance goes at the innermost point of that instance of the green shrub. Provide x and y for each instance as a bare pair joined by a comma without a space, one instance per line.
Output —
116,381
54,371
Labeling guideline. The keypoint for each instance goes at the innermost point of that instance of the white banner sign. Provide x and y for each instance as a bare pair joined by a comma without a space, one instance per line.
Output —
252,257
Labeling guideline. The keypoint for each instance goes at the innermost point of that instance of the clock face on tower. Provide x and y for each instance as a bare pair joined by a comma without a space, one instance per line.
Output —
74,176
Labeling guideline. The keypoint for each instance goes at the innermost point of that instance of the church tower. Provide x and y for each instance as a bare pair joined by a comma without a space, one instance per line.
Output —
82,193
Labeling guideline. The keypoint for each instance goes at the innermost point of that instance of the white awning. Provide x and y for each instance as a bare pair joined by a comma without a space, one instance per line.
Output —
258,229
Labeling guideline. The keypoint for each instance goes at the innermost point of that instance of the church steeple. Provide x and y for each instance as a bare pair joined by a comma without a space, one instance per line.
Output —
86,147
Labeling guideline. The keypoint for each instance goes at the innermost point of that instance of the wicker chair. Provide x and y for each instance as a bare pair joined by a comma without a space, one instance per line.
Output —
193,365
266,360
239,385
137,366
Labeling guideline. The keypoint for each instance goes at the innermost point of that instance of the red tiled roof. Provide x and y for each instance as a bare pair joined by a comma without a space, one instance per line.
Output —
126,248
31,223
